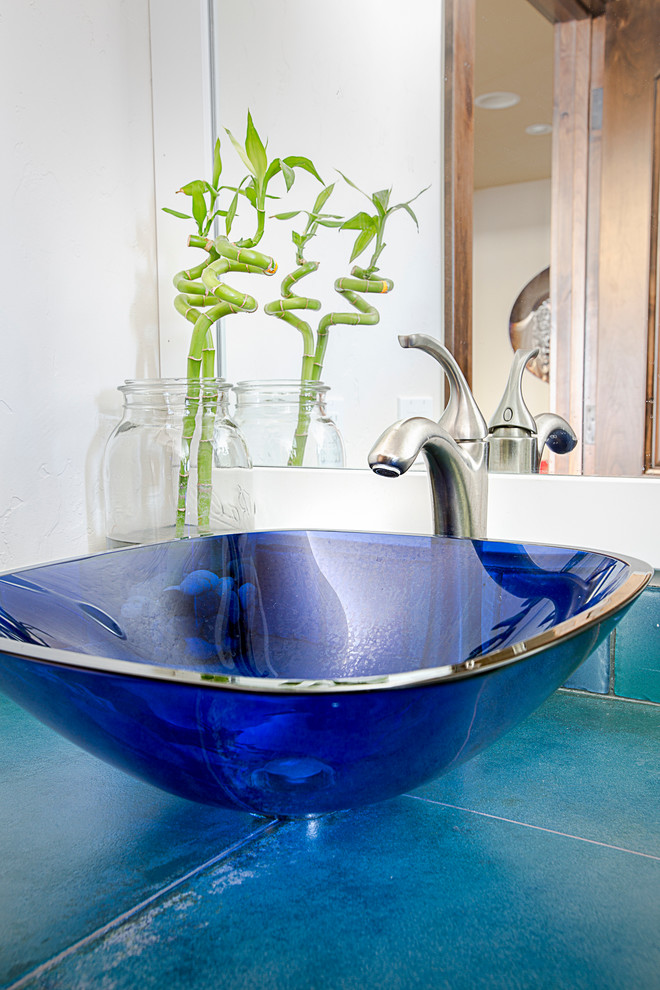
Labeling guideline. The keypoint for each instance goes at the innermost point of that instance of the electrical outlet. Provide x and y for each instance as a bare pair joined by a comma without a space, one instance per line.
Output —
416,405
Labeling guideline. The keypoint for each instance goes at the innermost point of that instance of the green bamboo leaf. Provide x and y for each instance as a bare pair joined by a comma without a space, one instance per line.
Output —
323,198
287,216
241,152
297,238
419,193
274,167
346,179
196,186
210,218
250,194
289,175
175,213
406,207
381,199
297,161
364,238
231,213
329,222
361,221
199,209
217,164
255,150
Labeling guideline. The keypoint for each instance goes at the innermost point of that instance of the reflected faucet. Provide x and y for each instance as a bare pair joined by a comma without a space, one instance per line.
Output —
516,438
460,449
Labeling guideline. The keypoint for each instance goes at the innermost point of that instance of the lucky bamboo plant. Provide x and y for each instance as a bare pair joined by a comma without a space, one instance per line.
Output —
203,297
370,227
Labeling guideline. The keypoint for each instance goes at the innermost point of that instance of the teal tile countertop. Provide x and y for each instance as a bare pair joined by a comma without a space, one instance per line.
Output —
535,865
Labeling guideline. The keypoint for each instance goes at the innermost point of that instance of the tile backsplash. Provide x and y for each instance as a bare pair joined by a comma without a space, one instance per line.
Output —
627,664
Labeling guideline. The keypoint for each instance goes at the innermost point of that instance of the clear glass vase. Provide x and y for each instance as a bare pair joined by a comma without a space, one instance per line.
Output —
176,465
286,423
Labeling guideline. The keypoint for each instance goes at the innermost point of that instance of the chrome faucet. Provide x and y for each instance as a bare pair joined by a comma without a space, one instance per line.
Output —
455,450
460,449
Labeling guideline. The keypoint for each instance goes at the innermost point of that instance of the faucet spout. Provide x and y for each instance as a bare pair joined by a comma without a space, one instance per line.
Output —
457,472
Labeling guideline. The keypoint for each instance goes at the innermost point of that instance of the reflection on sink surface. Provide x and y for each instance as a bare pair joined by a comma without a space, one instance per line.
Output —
296,673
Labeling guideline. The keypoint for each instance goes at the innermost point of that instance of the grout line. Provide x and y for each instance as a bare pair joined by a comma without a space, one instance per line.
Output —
538,828
600,696
38,971
612,663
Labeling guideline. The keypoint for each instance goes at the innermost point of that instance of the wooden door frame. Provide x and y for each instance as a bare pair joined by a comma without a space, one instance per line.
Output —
652,425
458,156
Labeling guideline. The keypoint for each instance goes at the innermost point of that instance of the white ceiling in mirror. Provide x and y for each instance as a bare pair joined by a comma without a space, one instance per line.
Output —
514,53
357,90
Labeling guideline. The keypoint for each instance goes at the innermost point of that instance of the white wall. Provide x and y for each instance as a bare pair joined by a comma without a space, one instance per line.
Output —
511,246
79,310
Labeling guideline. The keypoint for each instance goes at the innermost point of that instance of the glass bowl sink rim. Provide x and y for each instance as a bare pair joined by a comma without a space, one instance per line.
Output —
638,576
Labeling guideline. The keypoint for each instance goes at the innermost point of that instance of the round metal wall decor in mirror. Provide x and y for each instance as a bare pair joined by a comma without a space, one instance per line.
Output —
529,323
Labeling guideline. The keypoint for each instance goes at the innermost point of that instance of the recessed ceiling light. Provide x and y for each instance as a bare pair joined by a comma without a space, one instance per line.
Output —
535,129
497,101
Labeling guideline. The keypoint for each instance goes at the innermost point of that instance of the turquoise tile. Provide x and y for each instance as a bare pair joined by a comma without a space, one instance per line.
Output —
594,674
81,842
401,895
587,766
637,649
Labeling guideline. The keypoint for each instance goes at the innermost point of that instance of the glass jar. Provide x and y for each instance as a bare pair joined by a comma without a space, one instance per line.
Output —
175,465
286,423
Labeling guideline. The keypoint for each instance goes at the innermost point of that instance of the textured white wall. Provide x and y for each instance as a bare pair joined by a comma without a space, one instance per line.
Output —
77,248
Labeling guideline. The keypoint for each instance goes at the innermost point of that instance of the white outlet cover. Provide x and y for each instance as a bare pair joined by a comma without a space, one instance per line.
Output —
416,405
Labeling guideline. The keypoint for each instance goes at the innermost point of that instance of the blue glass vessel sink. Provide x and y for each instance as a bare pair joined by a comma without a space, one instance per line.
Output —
296,673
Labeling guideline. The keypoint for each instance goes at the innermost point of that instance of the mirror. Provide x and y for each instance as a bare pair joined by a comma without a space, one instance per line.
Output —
363,79
359,92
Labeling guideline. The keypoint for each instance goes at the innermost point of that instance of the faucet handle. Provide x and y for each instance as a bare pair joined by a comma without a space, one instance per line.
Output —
554,431
461,418
512,412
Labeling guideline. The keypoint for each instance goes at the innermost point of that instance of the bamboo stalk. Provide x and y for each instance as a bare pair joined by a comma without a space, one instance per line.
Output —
227,257
282,309
350,287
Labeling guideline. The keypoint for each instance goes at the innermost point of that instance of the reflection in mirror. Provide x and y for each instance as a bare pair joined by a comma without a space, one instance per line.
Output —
513,78
603,215
357,92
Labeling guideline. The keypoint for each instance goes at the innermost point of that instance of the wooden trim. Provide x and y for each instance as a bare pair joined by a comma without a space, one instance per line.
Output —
593,247
569,228
631,52
460,18
568,10
652,425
